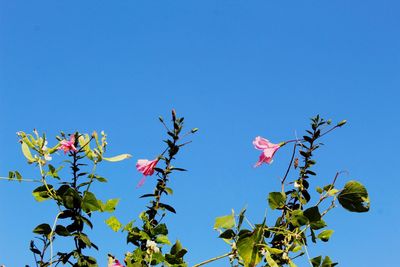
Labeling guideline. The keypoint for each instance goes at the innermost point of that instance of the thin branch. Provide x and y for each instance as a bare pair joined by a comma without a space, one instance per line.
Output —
289,167
213,259
20,180
51,238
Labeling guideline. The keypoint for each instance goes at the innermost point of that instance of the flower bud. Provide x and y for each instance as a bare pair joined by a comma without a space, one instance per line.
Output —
173,114
343,122
194,130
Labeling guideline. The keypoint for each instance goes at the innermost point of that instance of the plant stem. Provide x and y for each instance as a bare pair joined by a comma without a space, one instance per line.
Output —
288,169
213,259
331,187
20,180
44,180
51,238
308,255
91,177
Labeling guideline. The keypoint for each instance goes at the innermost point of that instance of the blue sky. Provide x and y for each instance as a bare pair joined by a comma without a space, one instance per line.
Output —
234,69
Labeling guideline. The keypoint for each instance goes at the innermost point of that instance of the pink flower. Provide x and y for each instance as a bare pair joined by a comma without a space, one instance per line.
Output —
68,145
146,167
268,150
117,264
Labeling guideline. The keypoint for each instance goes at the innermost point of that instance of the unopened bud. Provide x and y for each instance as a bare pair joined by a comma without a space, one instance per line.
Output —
194,130
173,114
161,119
343,122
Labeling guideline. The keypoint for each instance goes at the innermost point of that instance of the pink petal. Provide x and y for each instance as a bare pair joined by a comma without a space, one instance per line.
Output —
141,182
262,143
267,155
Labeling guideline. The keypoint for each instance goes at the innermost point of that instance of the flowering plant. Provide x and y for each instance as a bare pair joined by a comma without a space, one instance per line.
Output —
275,244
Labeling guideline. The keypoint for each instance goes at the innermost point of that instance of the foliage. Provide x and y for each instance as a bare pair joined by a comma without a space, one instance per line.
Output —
301,219
69,192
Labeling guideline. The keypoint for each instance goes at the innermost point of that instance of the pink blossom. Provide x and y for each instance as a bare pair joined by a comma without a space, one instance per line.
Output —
68,145
117,264
146,167
268,150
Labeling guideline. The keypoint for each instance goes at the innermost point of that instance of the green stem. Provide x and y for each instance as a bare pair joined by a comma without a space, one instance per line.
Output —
44,181
91,178
20,180
213,259
330,188
51,238
308,255
289,167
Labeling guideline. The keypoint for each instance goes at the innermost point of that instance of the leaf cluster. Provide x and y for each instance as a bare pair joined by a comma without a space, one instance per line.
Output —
71,194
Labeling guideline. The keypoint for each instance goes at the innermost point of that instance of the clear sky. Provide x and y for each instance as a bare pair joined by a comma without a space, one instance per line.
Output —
235,69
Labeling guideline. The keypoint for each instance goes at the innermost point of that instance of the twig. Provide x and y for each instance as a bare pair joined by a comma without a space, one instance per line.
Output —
20,180
288,169
213,259
51,238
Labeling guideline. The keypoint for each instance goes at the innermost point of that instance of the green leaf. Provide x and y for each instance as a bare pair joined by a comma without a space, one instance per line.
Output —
160,229
84,141
313,237
241,217
42,229
157,258
118,158
273,250
84,238
276,200
71,199
110,205
98,178
225,222
169,190
298,219
312,214
27,152
319,190
61,230
90,202
144,236
11,175
114,223
297,248
175,258
316,262
333,192
176,247
227,234
163,239
87,221
328,262
19,176
325,235
270,261
53,172
248,246
354,197
167,207
40,193
318,224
